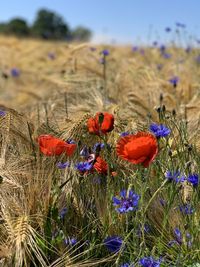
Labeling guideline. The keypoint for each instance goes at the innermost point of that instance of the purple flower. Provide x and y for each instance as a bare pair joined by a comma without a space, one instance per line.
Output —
15,72
168,29
178,235
159,130
51,55
155,43
162,48
124,134
186,209
70,141
162,202
113,243
175,177
70,241
174,80
193,179
179,238
62,213
85,152
98,146
149,262
63,165
135,48
83,166
105,52
167,55
2,113
127,202
180,25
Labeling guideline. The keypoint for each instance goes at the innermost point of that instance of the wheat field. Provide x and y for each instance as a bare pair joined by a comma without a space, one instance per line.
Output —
56,95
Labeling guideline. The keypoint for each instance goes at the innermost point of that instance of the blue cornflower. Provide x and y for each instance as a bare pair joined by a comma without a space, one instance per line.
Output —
168,29
70,141
105,52
2,113
179,238
124,134
98,145
51,55
135,48
85,152
127,202
162,202
113,243
62,213
186,209
155,43
63,165
167,55
15,72
70,241
178,235
176,177
174,80
159,130
162,48
83,166
149,262
193,179
180,25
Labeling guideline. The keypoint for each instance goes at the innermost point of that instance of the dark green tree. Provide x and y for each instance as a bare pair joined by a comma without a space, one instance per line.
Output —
81,34
50,25
16,26
3,27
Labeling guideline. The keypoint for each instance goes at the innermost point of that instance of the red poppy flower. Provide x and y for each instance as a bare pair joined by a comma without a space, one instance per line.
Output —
139,148
51,146
101,165
97,127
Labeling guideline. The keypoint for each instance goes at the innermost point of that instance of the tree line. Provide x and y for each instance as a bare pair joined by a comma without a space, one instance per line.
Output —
47,25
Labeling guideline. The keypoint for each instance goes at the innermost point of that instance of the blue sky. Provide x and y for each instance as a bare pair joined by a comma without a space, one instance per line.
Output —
127,21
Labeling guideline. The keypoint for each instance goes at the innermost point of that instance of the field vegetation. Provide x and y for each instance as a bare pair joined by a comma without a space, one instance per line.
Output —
99,155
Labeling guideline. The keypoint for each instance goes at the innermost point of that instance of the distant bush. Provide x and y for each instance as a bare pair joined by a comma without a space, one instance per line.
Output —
16,26
47,25
81,34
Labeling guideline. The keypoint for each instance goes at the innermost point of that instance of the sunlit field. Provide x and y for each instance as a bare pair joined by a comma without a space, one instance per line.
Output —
99,155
